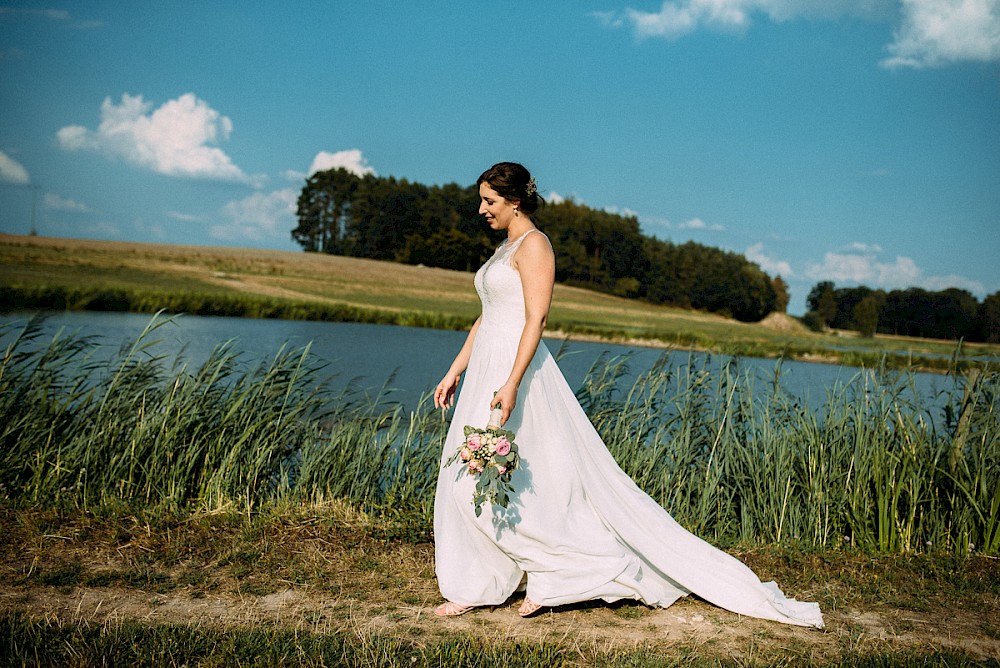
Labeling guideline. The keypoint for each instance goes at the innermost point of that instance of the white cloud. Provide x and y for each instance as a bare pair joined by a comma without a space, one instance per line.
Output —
681,17
938,283
866,268
259,217
56,203
352,160
859,247
675,20
774,267
860,264
175,139
11,171
271,216
937,32
929,32
553,197
625,212
692,224
699,224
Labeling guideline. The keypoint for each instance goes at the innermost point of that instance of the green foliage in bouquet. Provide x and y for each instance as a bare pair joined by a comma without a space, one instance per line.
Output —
490,454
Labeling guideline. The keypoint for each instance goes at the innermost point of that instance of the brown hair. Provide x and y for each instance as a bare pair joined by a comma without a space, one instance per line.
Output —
513,182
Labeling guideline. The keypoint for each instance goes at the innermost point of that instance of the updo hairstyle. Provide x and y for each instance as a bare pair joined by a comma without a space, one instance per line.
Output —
513,182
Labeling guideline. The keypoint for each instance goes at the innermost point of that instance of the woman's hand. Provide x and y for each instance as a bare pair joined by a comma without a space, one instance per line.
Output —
444,393
506,397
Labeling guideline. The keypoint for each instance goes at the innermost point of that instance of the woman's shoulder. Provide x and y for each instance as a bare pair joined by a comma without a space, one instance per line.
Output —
536,238
534,246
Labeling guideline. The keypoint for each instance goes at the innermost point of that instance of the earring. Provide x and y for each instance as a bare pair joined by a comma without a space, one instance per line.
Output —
516,212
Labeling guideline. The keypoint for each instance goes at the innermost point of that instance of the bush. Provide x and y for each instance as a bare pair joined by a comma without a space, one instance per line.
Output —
814,321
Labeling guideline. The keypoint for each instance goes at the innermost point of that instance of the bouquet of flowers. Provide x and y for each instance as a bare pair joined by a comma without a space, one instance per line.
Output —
491,455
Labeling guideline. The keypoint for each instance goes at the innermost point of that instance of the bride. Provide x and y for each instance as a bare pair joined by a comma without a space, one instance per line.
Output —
577,528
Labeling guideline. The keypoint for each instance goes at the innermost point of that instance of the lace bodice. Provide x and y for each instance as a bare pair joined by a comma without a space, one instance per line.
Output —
499,286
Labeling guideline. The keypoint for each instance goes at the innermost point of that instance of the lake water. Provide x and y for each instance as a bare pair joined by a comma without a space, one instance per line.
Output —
415,359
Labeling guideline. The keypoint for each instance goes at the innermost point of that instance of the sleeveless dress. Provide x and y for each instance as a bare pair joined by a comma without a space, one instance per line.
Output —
578,528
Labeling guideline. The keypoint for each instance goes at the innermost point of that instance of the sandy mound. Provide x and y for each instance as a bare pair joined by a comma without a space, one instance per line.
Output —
782,322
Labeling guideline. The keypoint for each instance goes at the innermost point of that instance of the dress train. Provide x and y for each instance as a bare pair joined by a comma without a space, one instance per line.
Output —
578,528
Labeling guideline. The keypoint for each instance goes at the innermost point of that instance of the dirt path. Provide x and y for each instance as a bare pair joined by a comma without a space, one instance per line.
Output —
334,570
689,625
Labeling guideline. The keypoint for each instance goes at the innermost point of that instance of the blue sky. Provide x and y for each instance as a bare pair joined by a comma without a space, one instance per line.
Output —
856,141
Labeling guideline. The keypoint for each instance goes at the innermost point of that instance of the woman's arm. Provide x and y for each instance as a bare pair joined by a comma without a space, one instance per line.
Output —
536,263
444,394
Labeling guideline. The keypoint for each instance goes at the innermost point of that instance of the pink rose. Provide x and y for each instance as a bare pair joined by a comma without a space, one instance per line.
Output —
474,467
502,469
466,454
473,442
503,446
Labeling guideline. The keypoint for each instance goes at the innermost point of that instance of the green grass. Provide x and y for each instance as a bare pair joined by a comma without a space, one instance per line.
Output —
136,643
347,573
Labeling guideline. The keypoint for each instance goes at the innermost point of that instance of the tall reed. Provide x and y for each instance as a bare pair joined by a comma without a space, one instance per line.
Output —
224,433
734,456
729,452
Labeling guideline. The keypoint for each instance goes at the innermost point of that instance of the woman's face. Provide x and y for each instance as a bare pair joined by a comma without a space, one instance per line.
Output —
498,211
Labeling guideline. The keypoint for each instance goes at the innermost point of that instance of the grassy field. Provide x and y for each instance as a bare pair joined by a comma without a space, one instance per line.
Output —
326,585
232,515
220,516
150,277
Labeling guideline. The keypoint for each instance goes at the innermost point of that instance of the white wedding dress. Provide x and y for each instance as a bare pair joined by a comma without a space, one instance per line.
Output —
577,528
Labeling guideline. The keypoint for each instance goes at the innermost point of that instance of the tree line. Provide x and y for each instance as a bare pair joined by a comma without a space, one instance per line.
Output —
945,314
384,218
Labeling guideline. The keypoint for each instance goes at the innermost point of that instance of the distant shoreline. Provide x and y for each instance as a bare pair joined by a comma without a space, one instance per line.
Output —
70,274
